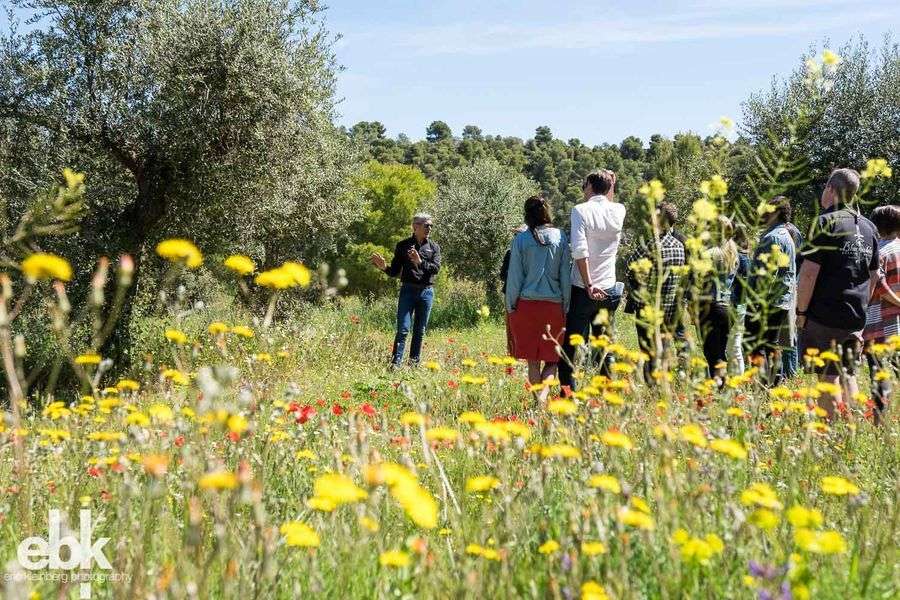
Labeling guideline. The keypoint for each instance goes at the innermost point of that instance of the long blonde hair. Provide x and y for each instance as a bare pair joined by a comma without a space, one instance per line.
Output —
728,259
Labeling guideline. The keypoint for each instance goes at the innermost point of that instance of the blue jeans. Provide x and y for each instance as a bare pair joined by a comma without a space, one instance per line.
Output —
413,309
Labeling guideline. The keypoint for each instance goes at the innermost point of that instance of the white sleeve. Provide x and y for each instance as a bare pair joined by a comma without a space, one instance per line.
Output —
579,238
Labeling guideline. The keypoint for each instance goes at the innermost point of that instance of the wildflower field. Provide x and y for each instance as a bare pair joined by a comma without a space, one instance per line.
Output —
285,461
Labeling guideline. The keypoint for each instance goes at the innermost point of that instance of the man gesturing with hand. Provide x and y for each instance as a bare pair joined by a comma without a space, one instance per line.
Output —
416,261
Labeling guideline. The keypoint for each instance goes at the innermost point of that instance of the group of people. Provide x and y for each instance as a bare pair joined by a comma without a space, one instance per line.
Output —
833,296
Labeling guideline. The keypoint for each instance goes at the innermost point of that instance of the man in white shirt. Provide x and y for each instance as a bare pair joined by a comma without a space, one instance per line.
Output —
595,234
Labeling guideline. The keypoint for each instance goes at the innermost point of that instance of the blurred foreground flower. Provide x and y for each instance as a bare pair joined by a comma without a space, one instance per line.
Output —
180,251
297,533
46,266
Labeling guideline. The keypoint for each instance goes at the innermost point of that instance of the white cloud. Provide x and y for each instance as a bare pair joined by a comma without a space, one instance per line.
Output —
705,20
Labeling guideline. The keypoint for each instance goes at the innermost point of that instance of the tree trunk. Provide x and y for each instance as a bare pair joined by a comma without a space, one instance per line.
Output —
140,222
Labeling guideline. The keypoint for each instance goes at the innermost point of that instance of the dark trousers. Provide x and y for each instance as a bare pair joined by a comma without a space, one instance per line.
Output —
582,312
413,309
880,390
714,327
647,344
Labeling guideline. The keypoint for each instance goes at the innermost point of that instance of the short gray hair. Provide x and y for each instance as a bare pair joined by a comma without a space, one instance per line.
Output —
420,218
844,183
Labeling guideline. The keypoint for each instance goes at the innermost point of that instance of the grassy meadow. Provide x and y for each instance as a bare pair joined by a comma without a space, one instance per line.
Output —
289,463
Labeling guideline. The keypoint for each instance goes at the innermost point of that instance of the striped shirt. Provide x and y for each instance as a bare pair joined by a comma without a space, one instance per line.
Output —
882,317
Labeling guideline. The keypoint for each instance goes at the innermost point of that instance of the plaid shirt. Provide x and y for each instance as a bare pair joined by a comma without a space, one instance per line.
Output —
673,255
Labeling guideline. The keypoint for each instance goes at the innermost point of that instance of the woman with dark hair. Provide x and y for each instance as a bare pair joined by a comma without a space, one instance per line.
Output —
537,292
883,312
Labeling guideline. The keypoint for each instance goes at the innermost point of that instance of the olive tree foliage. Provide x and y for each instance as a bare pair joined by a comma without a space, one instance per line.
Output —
208,119
475,213
855,118
205,118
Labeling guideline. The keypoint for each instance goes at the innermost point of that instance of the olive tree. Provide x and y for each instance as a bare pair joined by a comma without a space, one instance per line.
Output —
855,117
207,119
475,213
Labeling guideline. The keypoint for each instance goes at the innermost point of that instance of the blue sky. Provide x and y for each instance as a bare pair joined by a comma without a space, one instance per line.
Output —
598,71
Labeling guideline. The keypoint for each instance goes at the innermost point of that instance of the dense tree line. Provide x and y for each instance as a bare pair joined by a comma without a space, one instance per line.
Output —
557,166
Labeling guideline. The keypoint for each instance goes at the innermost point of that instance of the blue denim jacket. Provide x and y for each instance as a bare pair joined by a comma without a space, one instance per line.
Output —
780,235
539,267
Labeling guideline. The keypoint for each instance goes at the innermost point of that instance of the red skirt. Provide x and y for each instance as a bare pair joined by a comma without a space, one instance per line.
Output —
528,326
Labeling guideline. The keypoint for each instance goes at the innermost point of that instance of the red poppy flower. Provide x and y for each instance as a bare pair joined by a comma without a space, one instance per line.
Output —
234,436
337,409
94,471
367,409
306,412
179,441
452,385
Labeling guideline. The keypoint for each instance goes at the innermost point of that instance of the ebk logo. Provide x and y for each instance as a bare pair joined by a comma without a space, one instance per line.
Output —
36,553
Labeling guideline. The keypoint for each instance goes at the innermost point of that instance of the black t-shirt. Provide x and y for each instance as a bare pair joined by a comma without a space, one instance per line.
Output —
424,274
845,245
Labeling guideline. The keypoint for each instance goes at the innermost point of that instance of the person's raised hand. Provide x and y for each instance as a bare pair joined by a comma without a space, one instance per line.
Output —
611,194
378,260
413,255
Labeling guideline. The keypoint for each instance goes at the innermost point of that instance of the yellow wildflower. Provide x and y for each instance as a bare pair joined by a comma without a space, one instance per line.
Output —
830,58
591,590
693,434
653,190
88,359
605,482
560,451
297,533
562,407
240,264
729,447
442,434
129,385
800,516
218,480
877,167
180,251
820,542
471,417
704,210
592,548
617,439
764,518
838,486
636,518
548,547
394,558
338,488
42,265
481,483
761,494
177,336
242,330
412,418
217,328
